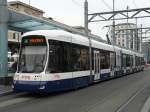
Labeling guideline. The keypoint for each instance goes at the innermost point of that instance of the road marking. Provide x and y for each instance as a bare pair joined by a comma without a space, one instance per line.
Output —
146,106
131,99
13,101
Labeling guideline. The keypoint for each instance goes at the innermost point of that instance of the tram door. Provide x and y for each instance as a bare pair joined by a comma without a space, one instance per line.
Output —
96,65
112,64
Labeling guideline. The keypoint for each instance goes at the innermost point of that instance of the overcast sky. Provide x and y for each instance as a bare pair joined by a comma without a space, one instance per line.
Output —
71,12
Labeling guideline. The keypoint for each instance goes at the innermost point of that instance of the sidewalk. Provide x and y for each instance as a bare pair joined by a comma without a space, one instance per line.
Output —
4,90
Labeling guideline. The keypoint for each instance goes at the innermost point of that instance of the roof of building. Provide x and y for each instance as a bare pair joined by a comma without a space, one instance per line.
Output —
120,24
24,4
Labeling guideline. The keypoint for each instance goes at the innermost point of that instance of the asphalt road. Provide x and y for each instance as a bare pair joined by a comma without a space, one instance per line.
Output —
125,94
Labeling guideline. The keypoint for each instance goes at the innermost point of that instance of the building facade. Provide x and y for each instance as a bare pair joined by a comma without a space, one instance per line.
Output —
25,8
14,37
146,49
126,35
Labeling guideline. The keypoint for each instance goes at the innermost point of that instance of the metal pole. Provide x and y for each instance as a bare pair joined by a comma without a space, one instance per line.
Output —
136,38
87,32
29,2
140,43
3,39
114,39
127,34
147,55
127,14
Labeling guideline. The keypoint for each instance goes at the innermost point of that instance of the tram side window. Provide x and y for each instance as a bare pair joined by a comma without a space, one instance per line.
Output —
80,58
137,62
124,60
59,57
131,60
112,59
140,60
143,62
128,60
105,59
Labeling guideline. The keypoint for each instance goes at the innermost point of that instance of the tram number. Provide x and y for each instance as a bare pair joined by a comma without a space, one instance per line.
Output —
56,76
25,77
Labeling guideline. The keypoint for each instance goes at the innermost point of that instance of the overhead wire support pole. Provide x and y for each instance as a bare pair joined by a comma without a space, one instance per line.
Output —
127,33
140,49
136,34
29,2
114,39
87,33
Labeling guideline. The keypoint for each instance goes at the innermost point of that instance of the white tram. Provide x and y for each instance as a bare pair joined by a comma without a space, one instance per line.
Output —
56,60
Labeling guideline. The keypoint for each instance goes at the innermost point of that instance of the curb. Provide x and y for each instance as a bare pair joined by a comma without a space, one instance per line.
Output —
6,93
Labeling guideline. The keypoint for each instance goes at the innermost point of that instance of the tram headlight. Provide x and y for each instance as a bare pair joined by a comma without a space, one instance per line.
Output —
12,86
42,87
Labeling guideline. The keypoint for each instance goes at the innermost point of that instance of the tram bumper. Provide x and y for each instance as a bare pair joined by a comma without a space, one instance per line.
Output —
29,86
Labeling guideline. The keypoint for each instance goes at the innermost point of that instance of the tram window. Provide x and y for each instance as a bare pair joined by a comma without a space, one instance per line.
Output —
80,58
131,60
124,60
105,59
33,59
128,60
112,59
140,61
59,57
143,62
137,62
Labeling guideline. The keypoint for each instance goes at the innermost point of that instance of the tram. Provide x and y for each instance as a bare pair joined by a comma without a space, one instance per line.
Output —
56,60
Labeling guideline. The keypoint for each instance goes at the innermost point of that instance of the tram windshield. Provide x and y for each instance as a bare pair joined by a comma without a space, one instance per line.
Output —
32,58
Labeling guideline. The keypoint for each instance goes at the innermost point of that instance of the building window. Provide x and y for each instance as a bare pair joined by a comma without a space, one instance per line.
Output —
14,35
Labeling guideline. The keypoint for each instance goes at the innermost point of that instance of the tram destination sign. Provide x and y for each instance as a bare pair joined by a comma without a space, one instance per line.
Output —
33,40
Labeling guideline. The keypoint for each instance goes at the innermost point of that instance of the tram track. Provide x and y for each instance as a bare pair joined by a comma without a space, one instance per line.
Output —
109,96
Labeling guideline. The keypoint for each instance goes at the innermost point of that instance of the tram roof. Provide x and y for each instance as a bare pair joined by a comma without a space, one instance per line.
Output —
69,37
75,38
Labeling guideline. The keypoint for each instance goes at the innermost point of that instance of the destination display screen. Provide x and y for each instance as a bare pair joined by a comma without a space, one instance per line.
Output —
33,41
